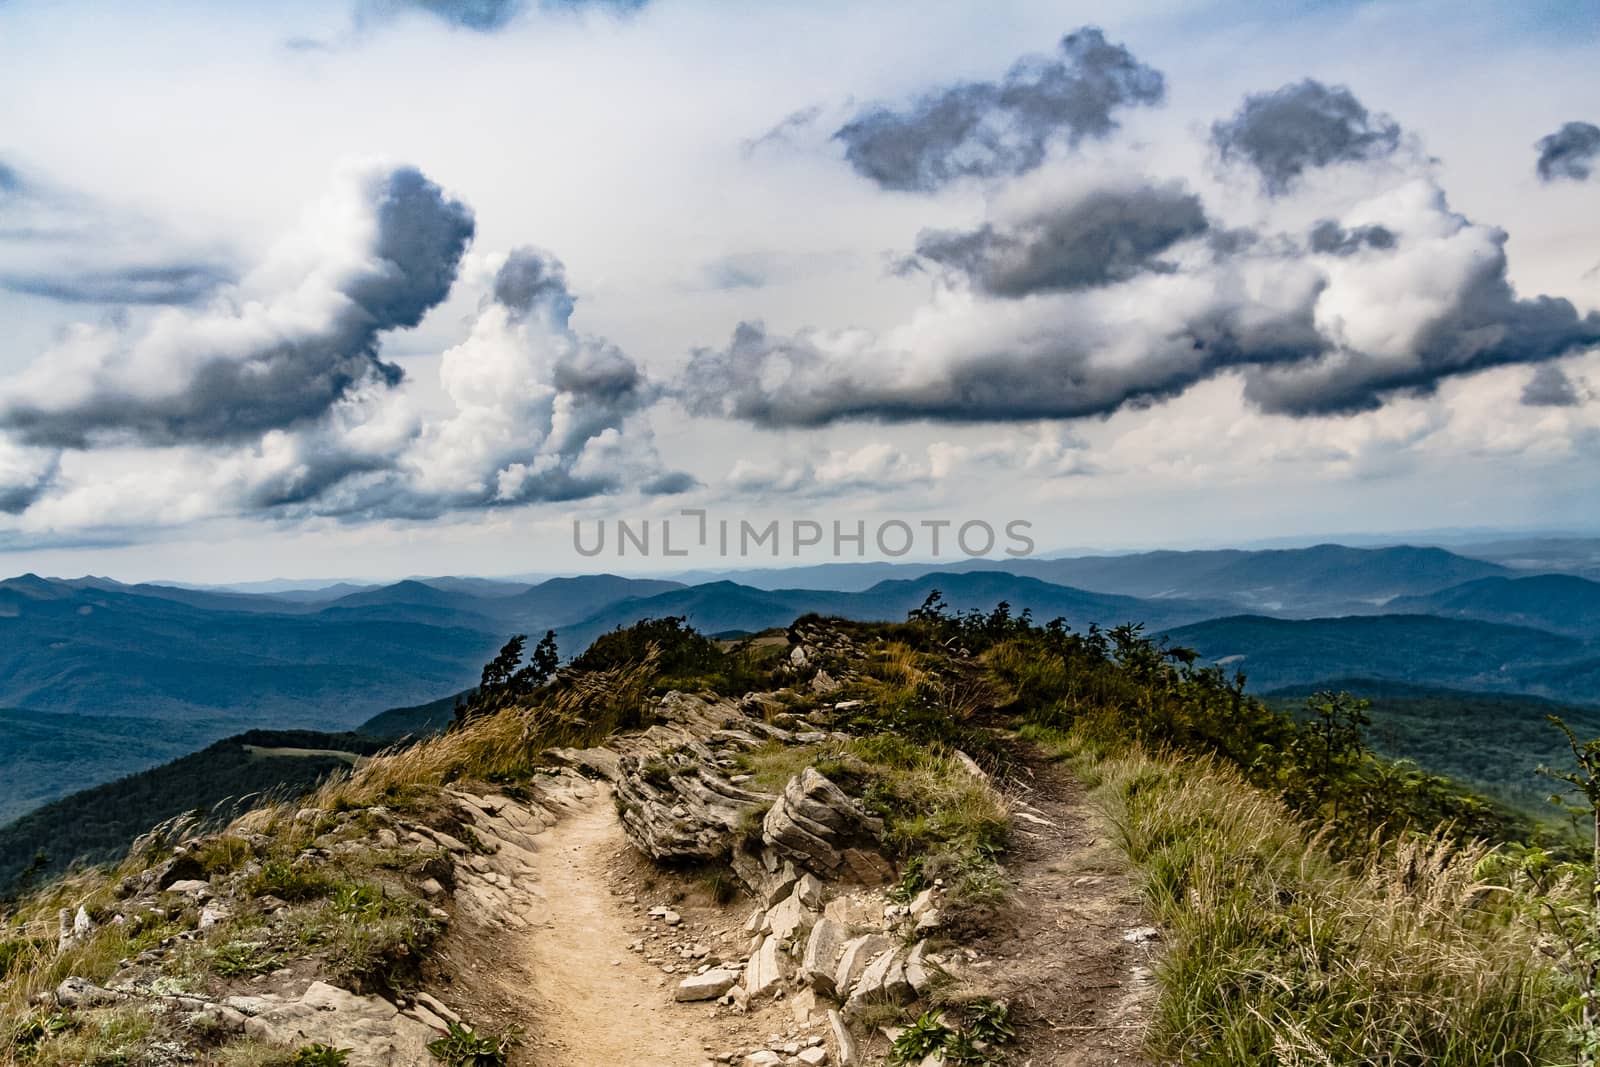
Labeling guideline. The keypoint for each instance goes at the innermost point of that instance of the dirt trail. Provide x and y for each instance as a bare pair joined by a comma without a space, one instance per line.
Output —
598,1003
1083,986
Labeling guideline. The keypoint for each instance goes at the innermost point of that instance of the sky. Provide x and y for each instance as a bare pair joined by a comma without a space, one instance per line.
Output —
370,288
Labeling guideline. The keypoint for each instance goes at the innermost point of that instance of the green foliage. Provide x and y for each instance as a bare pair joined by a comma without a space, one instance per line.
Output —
990,1021
927,1035
287,881
320,1055
33,1029
462,1046
977,1041
242,958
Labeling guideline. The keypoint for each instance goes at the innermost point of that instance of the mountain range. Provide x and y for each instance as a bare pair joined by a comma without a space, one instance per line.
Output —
173,668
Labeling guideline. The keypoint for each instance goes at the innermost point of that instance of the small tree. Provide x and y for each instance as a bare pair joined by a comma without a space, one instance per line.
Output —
506,680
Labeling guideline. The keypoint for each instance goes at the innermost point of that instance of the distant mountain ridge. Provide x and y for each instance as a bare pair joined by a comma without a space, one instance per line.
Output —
215,661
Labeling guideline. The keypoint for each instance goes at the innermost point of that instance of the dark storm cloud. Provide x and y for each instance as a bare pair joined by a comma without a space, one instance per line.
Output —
275,378
1571,152
1108,236
1301,127
1329,238
1550,387
1079,348
530,278
989,129
178,284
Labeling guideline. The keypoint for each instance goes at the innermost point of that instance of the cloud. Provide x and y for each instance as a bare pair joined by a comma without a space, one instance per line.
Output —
64,246
1329,238
1571,152
294,339
1550,387
25,474
785,132
539,411
1004,128
1109,236
479,16
1300,127
1324,333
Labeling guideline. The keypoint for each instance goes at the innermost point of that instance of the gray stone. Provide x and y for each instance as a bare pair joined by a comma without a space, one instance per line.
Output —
857,953
918,972
790,918
374,1030
844,1044
821,957
708,986
764,972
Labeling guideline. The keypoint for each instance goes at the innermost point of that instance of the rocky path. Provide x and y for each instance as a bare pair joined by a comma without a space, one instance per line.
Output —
596,1001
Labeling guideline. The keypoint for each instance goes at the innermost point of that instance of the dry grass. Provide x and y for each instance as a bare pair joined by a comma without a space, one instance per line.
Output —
1278,955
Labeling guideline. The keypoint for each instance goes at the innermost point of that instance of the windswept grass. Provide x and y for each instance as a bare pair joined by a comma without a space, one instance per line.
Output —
1277,954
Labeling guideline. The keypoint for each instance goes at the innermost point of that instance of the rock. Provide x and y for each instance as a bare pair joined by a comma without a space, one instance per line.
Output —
813,1057
248,1005
434,1005
790,918
1140,934
929,921
857,953
764,972
804,1006
821,957
855,910
823,684
917,970
798,657
809,891
884,980
374,1030
812,820
708,986
844,1045
180,868
431,888
922,902
214,913
77,992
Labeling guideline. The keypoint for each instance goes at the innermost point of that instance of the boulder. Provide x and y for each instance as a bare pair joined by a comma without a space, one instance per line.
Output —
853,959
764,973
812,820
821,957
708,986
374,1030
790,919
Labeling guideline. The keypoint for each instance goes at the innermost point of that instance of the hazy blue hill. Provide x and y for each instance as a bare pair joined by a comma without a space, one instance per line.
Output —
419,720
1560,602
46,755
205,599
719,607
1492,742
1299,582
1419,649
560,601
98,824
409,592
115,652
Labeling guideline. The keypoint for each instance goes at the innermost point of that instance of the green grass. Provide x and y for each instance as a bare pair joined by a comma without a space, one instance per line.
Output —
1279,955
